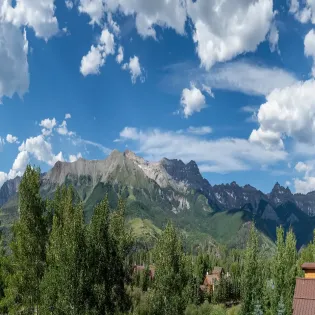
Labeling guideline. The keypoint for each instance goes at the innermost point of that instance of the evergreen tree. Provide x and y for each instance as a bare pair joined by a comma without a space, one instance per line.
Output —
64,287
251,282
28,247
171,278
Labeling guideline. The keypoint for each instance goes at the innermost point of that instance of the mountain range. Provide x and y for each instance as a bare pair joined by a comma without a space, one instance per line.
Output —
156,192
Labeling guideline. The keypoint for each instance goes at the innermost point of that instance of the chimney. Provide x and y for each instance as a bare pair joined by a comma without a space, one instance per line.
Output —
309,269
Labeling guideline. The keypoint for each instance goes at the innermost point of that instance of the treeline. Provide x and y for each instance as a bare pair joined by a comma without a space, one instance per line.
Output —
57,264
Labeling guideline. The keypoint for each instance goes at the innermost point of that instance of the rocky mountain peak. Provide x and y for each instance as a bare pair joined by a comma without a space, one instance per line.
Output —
280,194
8,189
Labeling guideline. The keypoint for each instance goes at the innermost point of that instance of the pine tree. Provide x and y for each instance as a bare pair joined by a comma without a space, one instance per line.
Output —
28,247
171,279
64,287
251,281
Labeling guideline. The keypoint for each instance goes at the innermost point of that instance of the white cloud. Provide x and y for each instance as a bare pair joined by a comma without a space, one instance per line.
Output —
36,14
41,150
74,157
165,13
11,139
135,69
120,55
309,47
274,38
19,165
2,142
112,24
222,155
94,8
192,101
287,183
96,57
302,167
69,4
48,125
204,130
3,178
248,78
288,112
91,63
225,29
62,129
78,141
304,14
242,76
14,76
67,116
208,90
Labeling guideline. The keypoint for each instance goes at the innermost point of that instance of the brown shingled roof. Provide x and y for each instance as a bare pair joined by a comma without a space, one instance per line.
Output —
304,297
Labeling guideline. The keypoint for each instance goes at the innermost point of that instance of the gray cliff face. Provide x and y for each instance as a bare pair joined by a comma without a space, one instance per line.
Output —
8,189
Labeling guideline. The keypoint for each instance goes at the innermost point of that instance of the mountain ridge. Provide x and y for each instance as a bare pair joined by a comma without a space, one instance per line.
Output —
172,189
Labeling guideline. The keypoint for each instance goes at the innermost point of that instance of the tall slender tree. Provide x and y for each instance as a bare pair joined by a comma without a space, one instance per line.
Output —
251,281
64,284
28,247
171,278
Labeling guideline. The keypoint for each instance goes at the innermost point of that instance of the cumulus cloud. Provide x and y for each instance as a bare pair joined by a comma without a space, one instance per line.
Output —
36,14
48,125
309,47
67,116
135,69
11,139
94,8
74,157
120,55
221,156
225,29
192,100
3,178
96,57
303,11
165,13
288,112
41,150
62,129
14,76
307,182
19,165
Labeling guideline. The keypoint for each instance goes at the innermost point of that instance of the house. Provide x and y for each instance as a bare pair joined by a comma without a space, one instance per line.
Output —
211,279
304,294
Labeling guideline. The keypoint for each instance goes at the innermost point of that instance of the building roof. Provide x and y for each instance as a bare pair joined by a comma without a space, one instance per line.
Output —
308,266
304,297
211,279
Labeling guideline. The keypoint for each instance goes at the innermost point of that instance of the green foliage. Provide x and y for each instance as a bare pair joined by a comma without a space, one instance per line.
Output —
64,283
171,277
28,248
251,281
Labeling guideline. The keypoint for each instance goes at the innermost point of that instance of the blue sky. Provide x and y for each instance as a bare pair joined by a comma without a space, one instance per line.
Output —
229,85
